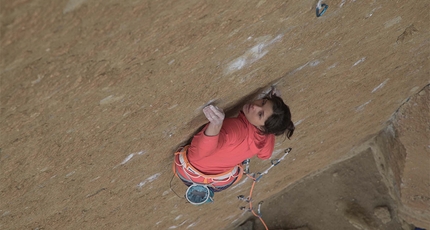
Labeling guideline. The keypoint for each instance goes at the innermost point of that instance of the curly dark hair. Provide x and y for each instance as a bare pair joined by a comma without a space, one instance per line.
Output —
279,123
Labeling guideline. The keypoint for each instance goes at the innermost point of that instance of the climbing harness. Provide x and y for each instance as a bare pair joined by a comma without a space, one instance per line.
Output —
181,162
255,178
321,9
184,170
201,186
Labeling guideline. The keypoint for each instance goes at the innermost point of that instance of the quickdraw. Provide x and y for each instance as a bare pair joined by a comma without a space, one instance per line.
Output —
321,9
256,179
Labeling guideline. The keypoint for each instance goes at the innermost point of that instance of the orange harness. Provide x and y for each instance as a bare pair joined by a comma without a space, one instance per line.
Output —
184,170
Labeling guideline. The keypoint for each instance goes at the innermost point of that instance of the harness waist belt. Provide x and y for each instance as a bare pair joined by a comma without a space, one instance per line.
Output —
196,172
182,166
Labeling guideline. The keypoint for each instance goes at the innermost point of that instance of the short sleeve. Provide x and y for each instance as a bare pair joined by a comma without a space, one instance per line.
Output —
267,150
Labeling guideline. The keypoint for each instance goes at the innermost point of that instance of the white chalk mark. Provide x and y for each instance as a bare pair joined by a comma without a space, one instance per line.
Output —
298,69
173,227
39,78
252,55
238,64
110,99
392,22
173,106
192,225
361,107
380,86
94,179
314,63
72,5
359,61
332,66
298,122
178,217
342,3
70,173
6,213
372,12
301,67
128,158
148,180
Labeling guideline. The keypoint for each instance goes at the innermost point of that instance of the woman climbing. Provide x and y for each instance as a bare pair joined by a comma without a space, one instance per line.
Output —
214,157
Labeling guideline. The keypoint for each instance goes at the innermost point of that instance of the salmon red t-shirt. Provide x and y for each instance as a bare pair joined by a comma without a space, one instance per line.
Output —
237,141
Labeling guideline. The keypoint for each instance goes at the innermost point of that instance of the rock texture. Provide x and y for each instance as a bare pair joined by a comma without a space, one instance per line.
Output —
95,96
366,191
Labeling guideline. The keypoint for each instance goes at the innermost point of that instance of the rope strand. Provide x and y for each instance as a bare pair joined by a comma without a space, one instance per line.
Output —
257,178
250,202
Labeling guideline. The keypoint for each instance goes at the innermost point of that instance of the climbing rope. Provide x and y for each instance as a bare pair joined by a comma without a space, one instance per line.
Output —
255,178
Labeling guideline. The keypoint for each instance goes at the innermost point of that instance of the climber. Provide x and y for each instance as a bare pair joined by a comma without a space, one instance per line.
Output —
214,157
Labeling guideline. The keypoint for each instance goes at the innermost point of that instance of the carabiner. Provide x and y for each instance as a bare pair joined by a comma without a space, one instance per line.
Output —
324,9
259,208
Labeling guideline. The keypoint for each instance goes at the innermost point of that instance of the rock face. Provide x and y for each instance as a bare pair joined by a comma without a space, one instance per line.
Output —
366,191
413,122
383,213
95,96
